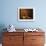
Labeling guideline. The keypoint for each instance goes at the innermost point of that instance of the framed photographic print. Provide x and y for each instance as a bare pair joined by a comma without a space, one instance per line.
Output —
26,14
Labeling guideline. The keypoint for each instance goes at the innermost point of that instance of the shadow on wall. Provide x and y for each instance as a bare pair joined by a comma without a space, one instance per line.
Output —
2,26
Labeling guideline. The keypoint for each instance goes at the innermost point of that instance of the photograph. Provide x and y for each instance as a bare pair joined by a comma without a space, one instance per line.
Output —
26,14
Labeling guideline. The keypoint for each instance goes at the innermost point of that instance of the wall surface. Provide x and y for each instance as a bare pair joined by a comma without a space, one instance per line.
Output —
8,13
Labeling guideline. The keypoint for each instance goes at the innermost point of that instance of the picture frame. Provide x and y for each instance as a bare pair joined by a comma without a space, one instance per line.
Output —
26,14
